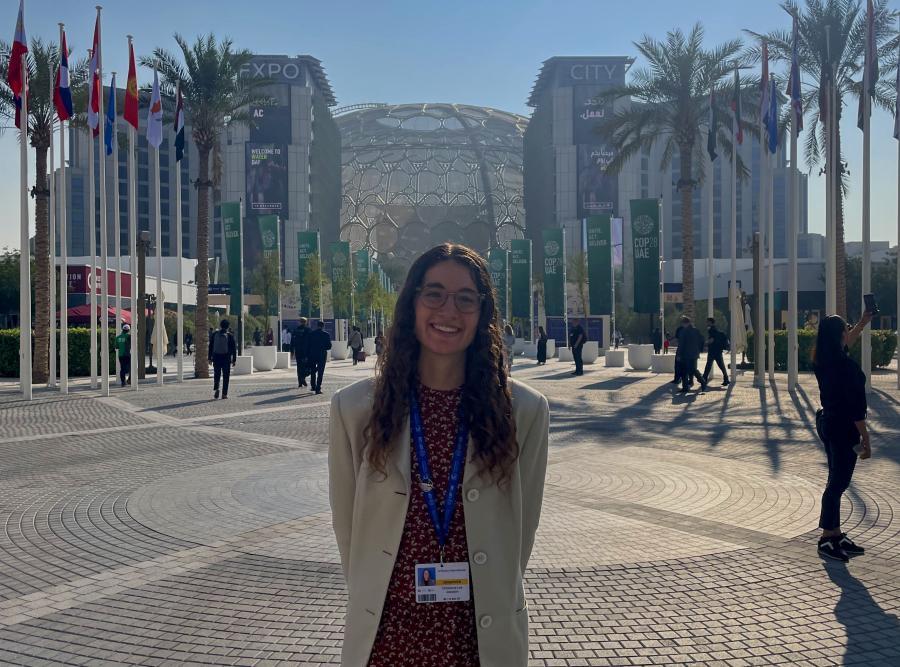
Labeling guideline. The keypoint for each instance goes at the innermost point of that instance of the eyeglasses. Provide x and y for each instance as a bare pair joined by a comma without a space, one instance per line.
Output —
467,301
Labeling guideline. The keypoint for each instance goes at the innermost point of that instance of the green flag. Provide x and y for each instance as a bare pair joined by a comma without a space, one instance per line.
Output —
645,251
307,251
341,282
554,272
231,224
599,256
271,241
361,278
520,277
498,265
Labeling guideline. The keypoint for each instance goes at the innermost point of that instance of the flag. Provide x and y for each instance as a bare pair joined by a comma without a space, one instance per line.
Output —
713,128
62,94
154,115
870,66
16,57
131,92
179,127
764,85
736,108
772,117
110,124
94,77
793,88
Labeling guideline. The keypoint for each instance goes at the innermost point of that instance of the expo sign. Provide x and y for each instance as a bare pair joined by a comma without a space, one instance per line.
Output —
281,70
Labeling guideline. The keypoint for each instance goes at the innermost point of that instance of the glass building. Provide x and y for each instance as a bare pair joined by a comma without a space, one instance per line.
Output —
415,175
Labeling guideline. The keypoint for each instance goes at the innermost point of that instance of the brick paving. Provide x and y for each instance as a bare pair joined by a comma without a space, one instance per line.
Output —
161,527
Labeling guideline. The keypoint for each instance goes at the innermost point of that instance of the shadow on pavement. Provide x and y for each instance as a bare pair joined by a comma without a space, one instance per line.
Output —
284,399
614,383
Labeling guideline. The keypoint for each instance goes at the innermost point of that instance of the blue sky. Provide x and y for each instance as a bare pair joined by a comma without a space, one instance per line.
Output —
485,53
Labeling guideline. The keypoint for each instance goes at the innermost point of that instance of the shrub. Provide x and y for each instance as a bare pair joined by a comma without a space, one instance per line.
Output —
884,344
79,351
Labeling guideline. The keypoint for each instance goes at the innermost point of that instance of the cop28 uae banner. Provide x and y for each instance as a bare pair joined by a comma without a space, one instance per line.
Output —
271,242
341,282
498,265
554,272
231,228
361,278
308,250
599,257
645,254
520,277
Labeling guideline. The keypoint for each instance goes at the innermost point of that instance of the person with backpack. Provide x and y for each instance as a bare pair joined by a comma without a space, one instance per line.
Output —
123,346
356,343
716,343
222,355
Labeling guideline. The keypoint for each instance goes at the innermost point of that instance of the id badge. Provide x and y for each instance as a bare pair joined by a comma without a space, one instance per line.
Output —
442,582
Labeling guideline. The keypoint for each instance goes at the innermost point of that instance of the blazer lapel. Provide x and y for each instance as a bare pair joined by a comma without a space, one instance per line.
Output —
471,466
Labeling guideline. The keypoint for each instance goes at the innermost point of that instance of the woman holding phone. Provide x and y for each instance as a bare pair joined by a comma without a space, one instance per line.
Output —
841,423
438,463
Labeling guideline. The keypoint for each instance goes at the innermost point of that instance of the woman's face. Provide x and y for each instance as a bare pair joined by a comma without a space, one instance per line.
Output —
446,330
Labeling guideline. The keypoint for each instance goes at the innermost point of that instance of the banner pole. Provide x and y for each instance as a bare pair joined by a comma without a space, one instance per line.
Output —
732,288
25,250
64,258
179,300
132,251
117,231
92,245
51,224
104,240
662,268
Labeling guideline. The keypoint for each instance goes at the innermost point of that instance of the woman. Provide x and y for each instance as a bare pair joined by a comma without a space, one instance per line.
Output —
509,340
542,346
379,344
442,369
356,344
841,424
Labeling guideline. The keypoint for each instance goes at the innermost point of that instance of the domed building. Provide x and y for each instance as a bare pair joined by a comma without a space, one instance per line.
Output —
414,175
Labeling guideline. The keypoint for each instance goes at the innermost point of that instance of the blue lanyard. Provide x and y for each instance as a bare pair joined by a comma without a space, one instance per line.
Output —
426,483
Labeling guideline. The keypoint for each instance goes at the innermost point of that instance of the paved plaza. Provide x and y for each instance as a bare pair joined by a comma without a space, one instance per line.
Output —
161,527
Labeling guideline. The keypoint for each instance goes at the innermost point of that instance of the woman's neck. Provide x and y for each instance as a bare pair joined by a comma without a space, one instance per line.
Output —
442,371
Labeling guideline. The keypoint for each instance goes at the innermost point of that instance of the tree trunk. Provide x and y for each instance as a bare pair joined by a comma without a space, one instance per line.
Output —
40,315
201,317
840,284
686,187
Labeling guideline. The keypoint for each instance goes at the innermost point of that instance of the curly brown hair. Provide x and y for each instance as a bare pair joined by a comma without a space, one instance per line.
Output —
486,397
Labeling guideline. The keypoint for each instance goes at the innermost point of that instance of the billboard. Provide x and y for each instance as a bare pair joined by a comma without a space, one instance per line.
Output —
267,178
232,230
599,258
498,265
520,277
597,190
645,254
587,112
554,271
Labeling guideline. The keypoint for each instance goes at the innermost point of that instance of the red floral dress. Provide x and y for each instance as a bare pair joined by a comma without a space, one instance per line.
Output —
439,634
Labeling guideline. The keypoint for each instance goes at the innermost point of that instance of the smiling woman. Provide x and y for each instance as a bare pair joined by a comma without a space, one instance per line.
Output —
443,411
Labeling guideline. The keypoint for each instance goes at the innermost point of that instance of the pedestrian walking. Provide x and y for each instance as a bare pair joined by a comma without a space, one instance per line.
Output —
318,346
716,344
666,342
356,343
222,355
577,338
541,346
678,370
379,344
509,340
438,454
690,345
657,341
123,349
841,424
300,346
286,340
270,337
189,343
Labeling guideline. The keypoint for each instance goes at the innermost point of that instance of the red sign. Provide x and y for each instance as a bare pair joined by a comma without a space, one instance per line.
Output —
79,278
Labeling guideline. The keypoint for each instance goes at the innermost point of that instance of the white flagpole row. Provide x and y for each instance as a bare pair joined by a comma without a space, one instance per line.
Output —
159,313
51,224
104,240
25,252
92,247
133,373
64,258
117,229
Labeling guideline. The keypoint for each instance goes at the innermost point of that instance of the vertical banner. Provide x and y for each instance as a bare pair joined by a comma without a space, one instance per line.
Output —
645,253
498,264
520,277
231,228
341,282
361,278
269,235
307,250
599,257
554,272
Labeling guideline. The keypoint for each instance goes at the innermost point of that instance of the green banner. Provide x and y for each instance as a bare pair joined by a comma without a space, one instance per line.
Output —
554,272
270,236
599,256
308,251
645,251
341,282
361,268
498,266
231,225
520,277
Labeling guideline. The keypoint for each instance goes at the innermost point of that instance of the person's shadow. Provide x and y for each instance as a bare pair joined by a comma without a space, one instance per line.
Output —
873,635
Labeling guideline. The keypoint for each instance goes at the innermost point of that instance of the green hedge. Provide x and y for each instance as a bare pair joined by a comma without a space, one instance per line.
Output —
79,351
884,344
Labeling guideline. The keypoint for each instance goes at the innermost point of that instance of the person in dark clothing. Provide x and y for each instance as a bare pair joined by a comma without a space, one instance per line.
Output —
188,343
319,344
300,346
257,337
716,343
123,347
542,346
270,337
841,424
356,343
222,355
678,372
690,345
577,339
657,341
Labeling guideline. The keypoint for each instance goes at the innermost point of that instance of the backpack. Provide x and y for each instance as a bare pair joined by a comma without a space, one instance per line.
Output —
220,342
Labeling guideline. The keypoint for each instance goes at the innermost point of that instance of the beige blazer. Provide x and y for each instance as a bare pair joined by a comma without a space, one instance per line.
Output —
369,512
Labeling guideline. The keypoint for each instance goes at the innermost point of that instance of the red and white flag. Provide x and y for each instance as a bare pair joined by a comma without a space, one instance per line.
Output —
131,92
16,58
94,77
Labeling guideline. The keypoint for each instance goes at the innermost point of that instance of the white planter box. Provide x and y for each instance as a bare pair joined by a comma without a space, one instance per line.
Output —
590,351
551,348
369,346
639,356
615,358
264,357
283,360
565,353
530,350
518,346
339,350
663,363
243,366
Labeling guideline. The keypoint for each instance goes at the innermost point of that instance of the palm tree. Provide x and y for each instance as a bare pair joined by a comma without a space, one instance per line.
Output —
670,104
42,62
843,23
215,94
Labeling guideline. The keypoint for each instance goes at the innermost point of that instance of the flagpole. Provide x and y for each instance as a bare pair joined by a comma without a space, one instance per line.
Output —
133,376
792,256
159,316
51,224
241,311
92,244
761,220
732,289
830,287
662,270
63,255
770,282
866,356
710,237
104,256
117,226
179,343
25,250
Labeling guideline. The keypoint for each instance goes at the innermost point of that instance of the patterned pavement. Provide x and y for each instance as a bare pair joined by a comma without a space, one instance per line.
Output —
161,527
